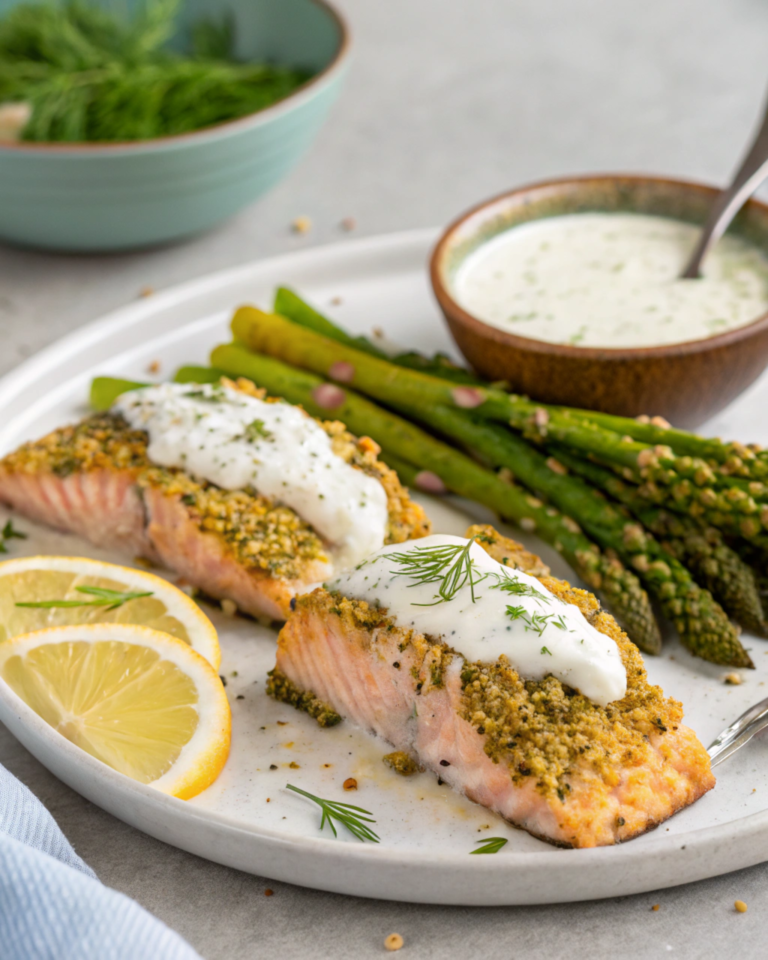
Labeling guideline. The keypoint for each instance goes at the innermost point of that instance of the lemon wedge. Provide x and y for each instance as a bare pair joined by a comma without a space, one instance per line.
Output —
85,585
141,701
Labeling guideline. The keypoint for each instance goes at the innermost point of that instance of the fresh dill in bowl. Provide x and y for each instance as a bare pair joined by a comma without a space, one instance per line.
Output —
78,72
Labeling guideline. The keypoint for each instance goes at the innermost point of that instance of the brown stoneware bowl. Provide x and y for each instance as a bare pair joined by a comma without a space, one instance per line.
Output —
684,382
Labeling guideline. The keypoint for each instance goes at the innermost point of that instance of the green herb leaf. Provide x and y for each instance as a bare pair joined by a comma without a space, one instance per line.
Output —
491,845
111,599
451,566
344,813
9,533
546,650
256,430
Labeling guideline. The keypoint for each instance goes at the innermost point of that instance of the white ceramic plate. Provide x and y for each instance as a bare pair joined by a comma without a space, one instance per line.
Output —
246,819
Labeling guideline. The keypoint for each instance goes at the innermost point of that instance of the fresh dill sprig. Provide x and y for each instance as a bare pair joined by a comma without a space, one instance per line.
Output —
9,532
537,622
90,74
490,845
518,588
344,813
111,599
450,565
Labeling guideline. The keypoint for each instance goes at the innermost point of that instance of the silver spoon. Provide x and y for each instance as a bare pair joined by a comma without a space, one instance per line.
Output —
740,732
749,176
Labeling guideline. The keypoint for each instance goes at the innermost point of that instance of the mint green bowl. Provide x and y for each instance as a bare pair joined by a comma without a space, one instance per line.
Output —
90,197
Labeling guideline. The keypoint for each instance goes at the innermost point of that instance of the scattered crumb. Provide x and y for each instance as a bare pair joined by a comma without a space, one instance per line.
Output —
289,744
228,608
223,680
350,784
327,765
734,679
154,367
240,696
301,225
348,223
656,906
754,789
283,723
146,291
294,766
269,800
378,333
269,893
234,673
273,766
740,906
393,942
336,301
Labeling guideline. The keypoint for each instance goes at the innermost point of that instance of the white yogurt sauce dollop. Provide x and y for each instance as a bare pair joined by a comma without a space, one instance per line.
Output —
239,442
539,633
611,280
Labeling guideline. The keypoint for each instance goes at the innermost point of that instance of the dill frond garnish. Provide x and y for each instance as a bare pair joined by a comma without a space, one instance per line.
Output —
490,845
9,533
450,565
111,599
537,622
344,813
517,588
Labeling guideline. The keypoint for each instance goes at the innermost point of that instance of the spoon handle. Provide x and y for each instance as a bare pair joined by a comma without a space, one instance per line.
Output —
741,731
749,176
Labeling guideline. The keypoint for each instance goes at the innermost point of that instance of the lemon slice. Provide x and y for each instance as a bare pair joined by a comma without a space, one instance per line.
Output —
139,700
45,579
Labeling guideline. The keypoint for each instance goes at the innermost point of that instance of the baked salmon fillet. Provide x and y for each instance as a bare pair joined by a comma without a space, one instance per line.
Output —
540,754
96,480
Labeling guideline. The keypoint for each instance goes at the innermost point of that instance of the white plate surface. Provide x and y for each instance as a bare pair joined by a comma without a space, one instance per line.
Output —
246,819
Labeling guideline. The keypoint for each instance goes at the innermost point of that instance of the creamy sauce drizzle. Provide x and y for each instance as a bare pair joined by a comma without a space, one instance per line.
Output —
542,635
237,442
611,280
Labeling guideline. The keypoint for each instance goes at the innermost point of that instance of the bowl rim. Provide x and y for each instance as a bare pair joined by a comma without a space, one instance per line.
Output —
456,313
304,92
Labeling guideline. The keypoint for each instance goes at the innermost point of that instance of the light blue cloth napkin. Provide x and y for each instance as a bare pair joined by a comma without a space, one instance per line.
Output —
53,907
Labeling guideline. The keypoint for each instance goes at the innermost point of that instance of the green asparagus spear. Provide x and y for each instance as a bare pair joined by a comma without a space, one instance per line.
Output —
702,549
618,587
105,390
702,624
192,374
289,304
685,483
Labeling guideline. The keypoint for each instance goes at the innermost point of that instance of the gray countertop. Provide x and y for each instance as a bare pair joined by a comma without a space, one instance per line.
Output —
449,101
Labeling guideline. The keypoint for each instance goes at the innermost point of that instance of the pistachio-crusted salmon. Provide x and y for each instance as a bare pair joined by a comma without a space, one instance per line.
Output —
97,480
537,751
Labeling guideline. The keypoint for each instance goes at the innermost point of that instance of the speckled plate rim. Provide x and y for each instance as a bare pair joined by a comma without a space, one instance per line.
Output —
515,878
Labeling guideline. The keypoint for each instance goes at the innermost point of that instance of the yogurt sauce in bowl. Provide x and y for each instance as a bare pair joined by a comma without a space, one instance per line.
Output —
611,280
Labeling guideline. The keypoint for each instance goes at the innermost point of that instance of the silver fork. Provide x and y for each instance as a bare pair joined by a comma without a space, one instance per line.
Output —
740,732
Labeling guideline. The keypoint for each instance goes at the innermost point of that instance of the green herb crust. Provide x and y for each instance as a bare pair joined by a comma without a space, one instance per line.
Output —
279,687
